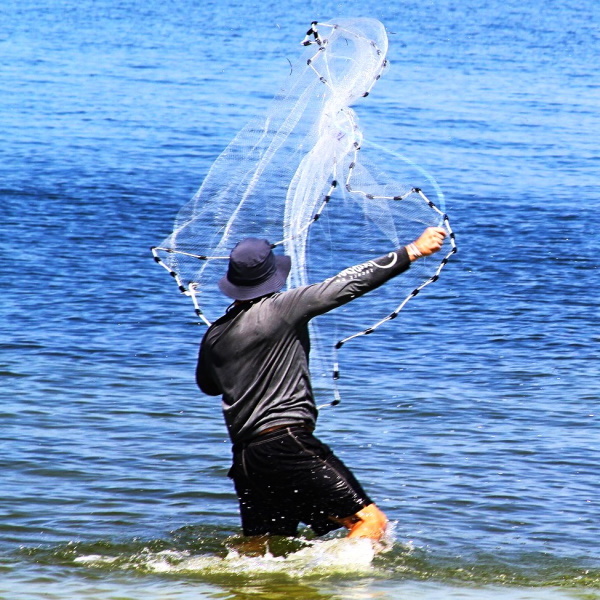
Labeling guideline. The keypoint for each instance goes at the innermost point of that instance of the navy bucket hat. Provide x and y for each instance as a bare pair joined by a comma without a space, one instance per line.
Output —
254,270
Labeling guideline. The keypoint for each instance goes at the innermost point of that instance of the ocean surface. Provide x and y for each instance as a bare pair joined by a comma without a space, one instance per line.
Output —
472,420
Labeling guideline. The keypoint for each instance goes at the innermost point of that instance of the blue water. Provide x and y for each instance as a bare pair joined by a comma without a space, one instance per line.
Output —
472,419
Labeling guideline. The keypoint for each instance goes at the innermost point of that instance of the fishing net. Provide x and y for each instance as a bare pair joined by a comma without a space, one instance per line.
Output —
303,177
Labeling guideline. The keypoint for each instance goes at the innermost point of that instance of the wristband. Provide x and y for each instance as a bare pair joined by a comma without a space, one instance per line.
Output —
412,248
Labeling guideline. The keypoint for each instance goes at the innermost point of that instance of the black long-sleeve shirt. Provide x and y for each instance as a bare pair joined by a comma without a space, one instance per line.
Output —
256,355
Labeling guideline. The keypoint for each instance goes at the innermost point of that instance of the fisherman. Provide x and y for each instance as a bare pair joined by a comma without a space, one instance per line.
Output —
256,357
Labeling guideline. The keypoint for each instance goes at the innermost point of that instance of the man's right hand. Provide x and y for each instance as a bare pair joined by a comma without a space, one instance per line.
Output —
429,242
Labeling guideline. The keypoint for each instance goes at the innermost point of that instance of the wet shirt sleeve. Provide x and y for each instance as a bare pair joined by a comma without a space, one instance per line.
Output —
310,301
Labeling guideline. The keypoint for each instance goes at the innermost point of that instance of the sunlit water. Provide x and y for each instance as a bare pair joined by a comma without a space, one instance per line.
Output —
472,419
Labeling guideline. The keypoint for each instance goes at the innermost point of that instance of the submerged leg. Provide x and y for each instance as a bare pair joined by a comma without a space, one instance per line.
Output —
254,545
369,522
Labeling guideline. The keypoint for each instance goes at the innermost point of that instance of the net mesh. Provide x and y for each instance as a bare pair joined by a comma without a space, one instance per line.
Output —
303,177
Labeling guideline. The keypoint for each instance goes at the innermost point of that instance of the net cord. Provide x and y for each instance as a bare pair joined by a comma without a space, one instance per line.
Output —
368,330
313,31
190,290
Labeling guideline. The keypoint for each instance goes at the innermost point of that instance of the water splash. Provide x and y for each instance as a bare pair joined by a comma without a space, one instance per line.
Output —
218,558
328,557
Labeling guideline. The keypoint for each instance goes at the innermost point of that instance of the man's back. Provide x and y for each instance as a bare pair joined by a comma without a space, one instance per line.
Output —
256,356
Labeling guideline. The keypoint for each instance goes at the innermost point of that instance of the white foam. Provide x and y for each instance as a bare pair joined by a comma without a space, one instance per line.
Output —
318,557
330,556
95,559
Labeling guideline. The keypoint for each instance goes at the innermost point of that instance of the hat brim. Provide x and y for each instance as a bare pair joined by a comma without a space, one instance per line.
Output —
273,284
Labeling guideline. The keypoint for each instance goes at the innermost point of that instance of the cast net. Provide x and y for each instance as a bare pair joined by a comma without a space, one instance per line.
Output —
303,177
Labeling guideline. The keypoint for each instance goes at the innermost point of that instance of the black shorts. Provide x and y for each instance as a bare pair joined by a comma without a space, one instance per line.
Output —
287,477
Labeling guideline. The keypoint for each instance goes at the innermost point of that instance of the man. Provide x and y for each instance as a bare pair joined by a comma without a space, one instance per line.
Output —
256,357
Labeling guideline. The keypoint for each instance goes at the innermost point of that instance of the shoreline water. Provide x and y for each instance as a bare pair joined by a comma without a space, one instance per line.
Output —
472,419
332,568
